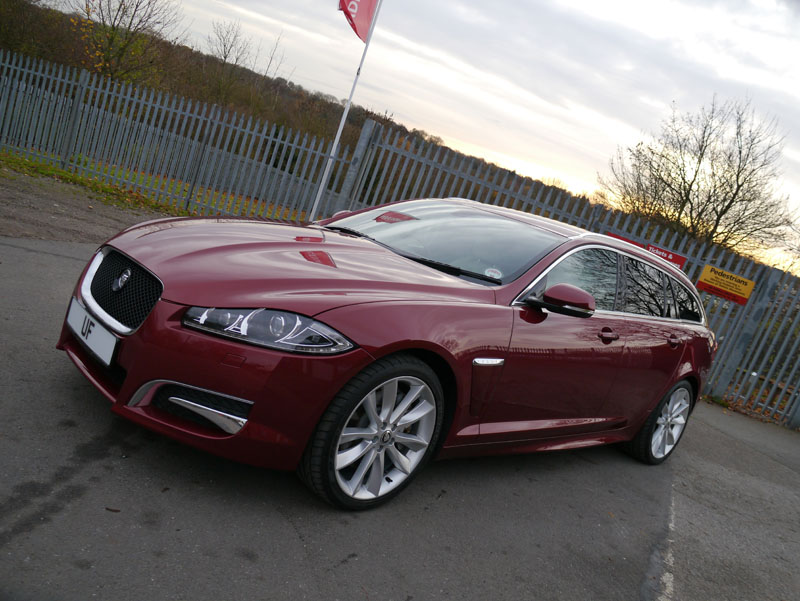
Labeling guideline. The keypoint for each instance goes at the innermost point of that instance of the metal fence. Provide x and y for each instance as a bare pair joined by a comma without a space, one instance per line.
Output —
189,154
177,151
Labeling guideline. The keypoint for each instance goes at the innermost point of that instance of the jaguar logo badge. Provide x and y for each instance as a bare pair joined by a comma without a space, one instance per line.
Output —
117,284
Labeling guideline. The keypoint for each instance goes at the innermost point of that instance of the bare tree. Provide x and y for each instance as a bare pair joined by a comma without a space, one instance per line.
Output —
235,65
710,174
121,36
232,52
228,44
270,84
791,251
275,58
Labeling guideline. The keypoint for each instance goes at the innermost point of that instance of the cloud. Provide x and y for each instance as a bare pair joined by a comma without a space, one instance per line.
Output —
554,85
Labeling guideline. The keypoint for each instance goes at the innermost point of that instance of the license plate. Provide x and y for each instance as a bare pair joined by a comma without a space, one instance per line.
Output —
91,333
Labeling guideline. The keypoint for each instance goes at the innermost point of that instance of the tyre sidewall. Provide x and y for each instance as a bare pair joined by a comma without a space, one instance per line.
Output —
346,401
643,443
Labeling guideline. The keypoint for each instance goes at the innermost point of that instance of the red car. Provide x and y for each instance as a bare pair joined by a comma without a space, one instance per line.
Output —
356,349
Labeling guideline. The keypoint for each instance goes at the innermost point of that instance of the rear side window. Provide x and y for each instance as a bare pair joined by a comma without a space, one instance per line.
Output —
686,303
593,270
644,289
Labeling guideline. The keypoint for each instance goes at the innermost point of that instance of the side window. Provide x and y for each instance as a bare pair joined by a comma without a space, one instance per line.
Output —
644,289
593,270
672,305
687,303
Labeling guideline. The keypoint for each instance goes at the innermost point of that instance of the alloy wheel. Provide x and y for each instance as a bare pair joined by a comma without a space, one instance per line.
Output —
671,423
385,438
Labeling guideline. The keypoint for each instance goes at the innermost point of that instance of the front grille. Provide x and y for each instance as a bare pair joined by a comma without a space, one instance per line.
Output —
131,304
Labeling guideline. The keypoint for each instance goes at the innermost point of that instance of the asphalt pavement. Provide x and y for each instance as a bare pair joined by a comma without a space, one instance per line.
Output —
92,506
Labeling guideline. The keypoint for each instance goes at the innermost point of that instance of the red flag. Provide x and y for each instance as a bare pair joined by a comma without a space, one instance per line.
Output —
359,14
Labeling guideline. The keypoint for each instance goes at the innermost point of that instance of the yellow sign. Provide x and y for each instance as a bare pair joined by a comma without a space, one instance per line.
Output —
725,284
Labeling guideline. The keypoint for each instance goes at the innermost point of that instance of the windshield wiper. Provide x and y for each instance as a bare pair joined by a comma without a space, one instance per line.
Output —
346,230
443,267
451,269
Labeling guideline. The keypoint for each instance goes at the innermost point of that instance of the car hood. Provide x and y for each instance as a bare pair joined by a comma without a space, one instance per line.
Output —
224,262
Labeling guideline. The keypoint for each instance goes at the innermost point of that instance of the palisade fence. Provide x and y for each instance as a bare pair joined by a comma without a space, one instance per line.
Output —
177,151
199,157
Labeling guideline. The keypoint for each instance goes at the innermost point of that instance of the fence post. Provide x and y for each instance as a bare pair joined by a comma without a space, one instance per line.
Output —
596,210
361,156
735,355
207,123
793,419
68,143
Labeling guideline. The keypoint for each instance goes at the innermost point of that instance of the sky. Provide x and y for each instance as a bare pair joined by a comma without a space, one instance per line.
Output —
547,88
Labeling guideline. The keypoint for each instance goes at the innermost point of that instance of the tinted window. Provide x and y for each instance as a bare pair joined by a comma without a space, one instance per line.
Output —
672,306
463,236
686,303
593,270
644,289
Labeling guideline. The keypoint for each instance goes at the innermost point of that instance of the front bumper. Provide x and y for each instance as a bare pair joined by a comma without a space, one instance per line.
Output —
288,392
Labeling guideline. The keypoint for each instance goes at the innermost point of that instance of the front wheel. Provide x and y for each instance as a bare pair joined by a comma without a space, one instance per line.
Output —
664,427
377,434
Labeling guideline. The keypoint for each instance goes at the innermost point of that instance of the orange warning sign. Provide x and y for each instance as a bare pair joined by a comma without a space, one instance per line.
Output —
725,284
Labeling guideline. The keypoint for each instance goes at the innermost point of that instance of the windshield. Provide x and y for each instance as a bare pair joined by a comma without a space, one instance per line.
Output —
468,238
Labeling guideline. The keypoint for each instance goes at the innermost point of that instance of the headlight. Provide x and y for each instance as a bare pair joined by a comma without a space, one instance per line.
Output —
273,329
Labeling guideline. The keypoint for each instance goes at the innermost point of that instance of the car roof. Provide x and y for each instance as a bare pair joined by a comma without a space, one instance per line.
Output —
556,227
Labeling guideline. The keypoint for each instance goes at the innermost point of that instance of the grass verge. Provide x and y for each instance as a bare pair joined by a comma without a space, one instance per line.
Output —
109,194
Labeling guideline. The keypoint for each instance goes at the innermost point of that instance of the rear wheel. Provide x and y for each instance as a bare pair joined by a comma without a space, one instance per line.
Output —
377,434
664,427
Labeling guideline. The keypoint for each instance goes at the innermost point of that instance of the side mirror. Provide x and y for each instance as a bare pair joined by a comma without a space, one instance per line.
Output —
565,299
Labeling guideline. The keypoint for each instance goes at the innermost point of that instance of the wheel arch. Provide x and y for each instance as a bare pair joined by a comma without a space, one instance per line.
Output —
447,379
691,378
694,382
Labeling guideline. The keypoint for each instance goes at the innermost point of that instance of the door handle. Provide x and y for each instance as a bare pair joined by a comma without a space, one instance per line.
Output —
607,335
673,341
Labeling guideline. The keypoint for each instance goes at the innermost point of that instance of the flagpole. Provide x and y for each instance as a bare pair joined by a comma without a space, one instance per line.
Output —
326,174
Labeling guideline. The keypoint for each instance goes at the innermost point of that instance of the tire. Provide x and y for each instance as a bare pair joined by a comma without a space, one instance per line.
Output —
376,435
664,427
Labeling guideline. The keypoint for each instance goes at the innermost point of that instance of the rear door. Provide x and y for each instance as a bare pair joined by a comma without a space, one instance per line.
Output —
655,340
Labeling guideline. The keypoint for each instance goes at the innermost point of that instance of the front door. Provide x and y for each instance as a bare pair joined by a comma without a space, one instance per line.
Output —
560,369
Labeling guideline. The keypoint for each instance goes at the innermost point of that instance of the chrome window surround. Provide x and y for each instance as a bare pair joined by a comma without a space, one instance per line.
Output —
224,421
88,299
518,302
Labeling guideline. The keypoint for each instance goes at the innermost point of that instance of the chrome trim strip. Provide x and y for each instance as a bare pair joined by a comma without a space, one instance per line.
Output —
587,312
488,362
91,304
145,389
228,423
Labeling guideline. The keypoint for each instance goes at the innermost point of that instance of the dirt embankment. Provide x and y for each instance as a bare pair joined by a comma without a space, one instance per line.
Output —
48,209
